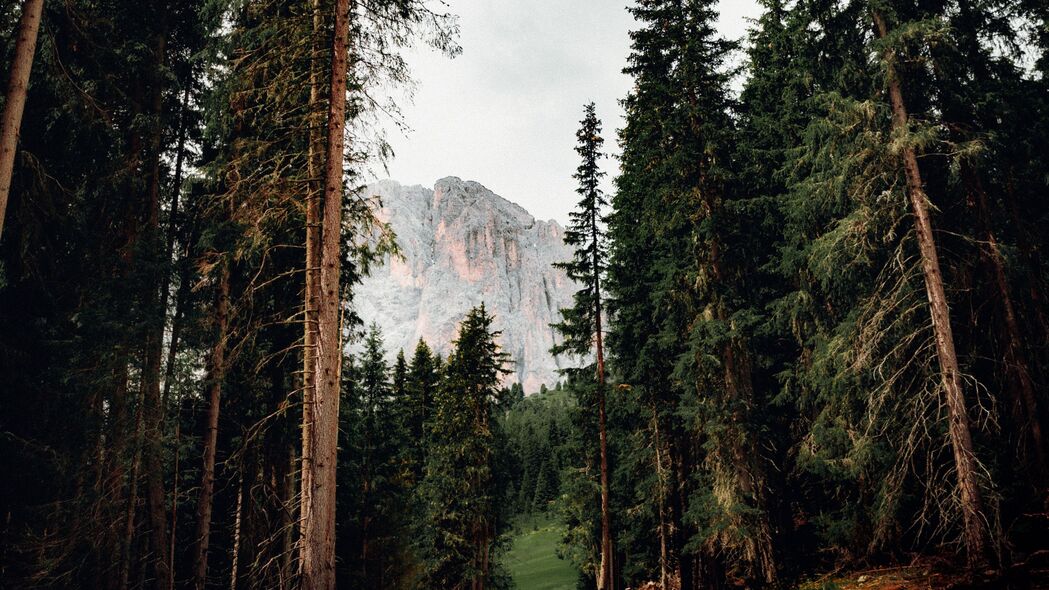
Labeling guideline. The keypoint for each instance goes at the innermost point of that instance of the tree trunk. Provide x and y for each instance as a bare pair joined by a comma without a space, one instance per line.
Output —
976,532
174,505
312,294
1025,408
685,566
318,572
288,521
154,409
172,238
606,577
217,367
25,48
169,371
238,521
132,502
664,556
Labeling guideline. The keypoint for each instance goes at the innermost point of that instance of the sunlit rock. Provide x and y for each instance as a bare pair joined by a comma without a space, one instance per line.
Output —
464,245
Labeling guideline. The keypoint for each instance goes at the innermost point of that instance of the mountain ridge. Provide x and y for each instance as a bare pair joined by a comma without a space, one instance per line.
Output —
464,245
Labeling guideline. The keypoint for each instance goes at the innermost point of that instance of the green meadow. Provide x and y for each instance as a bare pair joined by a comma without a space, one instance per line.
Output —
533,561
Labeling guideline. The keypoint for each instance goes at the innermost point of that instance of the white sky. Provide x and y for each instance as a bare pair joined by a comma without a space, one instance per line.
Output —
505,112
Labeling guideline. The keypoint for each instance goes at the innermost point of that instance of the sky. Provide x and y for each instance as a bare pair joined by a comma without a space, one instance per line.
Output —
505,111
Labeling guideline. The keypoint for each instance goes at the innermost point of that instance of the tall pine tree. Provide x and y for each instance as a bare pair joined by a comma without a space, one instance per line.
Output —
581,325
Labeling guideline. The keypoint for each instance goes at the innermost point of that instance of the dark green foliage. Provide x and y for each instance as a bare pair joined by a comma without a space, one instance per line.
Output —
586,234
420,390
162,142
460,484
374,480
774,236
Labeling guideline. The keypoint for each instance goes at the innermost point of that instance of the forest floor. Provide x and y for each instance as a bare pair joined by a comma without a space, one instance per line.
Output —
533,560
926,577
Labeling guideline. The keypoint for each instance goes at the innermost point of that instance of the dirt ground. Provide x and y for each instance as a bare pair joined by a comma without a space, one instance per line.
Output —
1032,575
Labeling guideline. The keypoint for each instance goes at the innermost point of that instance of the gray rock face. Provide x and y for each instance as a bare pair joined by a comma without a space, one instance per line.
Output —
463,245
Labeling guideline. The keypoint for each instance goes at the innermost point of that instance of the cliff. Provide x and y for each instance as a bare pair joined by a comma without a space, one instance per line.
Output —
463,245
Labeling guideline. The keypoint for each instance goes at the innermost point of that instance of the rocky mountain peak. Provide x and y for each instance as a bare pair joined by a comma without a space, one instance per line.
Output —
463,245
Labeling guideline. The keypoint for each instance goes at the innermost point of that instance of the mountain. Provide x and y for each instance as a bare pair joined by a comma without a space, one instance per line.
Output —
463,245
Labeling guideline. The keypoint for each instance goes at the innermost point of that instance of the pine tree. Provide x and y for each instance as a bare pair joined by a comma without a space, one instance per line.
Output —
420,390
377,552
318,559
686,292
460,486
641,350
581,324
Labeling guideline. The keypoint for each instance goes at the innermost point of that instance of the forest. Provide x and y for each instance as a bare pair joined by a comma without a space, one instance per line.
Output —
812,310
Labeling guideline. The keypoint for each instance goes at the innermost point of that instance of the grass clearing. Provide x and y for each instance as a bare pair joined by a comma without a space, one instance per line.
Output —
533,561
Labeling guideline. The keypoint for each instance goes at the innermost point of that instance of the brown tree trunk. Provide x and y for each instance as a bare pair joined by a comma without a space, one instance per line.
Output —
311,295
132,502
288,521
318,572
976,533
238,522
482,578
14,105
151,397
1025,409
685,567
606,575
661,477
217,367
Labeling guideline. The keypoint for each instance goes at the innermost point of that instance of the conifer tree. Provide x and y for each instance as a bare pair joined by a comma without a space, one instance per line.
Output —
581,326
642,348
420,389
460,486
692,320
318,556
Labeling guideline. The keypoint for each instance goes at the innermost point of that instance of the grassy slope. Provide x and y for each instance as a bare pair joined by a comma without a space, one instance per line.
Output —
533,560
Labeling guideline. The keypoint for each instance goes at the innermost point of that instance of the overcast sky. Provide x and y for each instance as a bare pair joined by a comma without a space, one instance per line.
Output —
505,111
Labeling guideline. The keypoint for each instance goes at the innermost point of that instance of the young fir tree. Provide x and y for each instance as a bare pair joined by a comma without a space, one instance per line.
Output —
581,326
376,553
460,486
420,389
400,376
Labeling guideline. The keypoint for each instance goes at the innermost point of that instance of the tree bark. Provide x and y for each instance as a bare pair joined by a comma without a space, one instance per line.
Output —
238,522
151,395
312,294
319,532
975,529
606,577
132,503
17,87
288,521
217,368
1025,408
664,554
